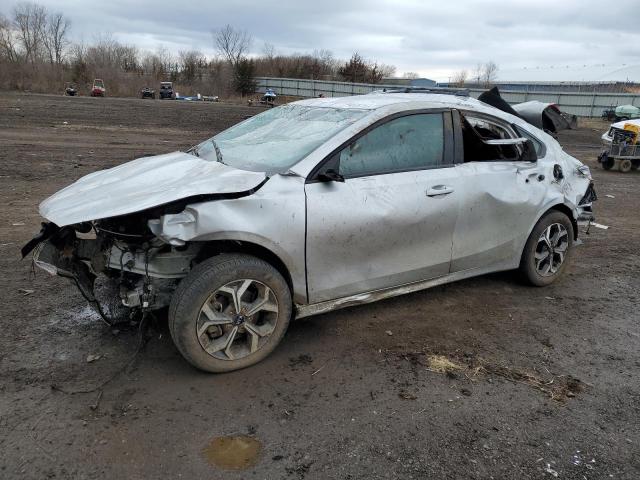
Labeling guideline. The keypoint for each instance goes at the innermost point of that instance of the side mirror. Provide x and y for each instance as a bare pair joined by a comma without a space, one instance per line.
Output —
330,175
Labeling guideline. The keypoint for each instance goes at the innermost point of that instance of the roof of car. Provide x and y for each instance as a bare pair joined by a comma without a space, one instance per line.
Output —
374,101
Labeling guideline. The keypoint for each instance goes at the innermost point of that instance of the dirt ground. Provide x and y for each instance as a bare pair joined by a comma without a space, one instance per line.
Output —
485,378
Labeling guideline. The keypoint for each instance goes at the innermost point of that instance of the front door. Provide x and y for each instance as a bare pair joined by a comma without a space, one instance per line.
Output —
391,221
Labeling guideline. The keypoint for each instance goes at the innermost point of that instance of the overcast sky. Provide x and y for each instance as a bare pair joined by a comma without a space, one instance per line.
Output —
433,38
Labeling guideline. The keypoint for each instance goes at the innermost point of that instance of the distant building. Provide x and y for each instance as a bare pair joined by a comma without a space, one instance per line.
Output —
409,82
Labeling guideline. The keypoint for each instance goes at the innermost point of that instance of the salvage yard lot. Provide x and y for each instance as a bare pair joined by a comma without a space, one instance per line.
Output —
485,378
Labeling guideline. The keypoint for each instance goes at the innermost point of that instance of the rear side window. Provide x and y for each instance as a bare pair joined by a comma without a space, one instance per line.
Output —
539,146
413,142
476,131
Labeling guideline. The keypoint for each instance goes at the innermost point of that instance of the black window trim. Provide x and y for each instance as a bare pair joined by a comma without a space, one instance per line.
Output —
332,160
457,126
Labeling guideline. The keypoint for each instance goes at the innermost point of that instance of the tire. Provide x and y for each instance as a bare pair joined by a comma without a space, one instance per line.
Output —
532,268
212,283
625,165
607,162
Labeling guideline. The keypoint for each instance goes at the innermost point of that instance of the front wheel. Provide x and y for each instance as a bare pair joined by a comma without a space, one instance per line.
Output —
547,250
606,161
230,312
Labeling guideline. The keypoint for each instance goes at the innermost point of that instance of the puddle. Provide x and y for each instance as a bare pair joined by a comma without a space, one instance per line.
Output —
233,453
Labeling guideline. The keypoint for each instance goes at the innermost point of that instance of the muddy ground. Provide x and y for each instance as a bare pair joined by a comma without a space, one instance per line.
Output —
485,378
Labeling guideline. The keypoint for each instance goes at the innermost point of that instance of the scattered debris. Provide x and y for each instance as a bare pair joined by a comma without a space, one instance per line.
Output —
18,224
25,291
403,394
94,405
550,470
609,196
318,369
599,225
557,387
441,364
93,358
388,332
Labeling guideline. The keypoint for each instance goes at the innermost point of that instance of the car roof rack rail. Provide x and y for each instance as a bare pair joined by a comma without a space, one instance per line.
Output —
460,92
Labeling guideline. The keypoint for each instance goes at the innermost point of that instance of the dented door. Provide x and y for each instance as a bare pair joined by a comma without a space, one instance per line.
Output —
376,230
502,201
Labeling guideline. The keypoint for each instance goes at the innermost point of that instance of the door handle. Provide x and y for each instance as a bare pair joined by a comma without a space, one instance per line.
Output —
439,190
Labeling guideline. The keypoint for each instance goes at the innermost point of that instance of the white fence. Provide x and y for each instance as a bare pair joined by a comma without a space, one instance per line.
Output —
577,103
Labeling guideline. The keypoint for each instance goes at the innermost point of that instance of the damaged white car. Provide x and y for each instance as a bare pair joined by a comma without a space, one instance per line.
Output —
313,206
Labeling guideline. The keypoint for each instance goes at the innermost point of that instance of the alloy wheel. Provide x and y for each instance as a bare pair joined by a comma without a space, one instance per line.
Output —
551,249
237,319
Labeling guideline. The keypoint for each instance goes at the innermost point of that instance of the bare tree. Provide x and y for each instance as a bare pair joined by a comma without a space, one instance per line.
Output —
410,75
489,73
54,37
8,47
269,50
459,78
30,20
232,44
478,73
192,63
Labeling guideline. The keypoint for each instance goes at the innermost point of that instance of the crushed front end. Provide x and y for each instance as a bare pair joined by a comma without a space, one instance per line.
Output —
118,265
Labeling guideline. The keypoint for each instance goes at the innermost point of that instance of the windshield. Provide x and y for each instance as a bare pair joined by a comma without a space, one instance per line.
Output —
277,139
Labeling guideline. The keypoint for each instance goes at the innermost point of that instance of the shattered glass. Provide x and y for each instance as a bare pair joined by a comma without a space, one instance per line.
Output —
278,138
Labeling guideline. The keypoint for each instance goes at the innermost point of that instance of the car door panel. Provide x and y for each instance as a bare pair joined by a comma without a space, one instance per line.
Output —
502,199
377,232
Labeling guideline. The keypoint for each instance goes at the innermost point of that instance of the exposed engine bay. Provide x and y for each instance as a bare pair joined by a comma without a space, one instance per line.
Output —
115,256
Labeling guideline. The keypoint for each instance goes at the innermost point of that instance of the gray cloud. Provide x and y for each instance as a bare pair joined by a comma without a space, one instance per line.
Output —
432,38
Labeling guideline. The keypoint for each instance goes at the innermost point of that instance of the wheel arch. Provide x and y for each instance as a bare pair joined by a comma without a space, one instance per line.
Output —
211,248
561,207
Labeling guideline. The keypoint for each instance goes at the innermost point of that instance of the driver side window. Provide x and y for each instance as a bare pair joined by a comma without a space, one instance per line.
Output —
412,142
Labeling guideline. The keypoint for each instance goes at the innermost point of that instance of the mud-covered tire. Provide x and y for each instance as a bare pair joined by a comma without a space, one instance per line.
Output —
530,266
198,287
625,165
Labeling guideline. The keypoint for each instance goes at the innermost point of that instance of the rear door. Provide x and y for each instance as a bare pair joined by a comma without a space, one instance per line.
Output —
502,197
391,221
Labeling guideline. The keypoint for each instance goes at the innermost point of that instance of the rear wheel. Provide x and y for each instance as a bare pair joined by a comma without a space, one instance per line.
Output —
230,312
547,250
625,165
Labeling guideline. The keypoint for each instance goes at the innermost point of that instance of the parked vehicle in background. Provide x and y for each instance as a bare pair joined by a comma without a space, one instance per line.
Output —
166,90
147,92
269,97
313,206
98,89
627,112
70,90
621,146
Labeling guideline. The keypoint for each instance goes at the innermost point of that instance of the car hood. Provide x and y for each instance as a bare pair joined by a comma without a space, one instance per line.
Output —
144,183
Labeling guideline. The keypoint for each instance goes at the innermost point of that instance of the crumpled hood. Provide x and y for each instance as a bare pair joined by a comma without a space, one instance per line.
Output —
144,183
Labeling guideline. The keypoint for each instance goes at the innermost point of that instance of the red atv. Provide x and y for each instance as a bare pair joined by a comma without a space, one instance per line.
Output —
98,89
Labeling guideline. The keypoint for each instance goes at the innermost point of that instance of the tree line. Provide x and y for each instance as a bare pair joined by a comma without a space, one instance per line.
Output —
37,54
